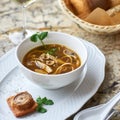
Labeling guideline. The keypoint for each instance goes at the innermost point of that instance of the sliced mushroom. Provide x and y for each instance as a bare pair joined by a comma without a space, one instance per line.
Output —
47,57
43,66
50,62
51,57
69,53
67,59
23,101
43,57
30,63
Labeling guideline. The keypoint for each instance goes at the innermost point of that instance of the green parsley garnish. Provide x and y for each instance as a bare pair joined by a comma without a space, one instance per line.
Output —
41,109
52,51
43,101
47,101
39,36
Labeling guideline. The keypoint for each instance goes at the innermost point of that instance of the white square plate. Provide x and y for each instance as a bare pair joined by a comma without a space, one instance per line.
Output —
67,100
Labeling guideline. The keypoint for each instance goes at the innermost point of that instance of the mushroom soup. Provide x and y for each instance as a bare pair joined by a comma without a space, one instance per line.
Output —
51,59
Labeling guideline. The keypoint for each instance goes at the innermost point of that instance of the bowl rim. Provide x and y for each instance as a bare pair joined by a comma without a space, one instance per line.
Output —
54,75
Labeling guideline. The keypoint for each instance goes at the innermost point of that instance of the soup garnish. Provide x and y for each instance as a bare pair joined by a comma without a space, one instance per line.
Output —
39,36
51,58
43,101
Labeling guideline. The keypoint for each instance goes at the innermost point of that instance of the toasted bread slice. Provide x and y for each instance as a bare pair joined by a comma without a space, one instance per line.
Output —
17,112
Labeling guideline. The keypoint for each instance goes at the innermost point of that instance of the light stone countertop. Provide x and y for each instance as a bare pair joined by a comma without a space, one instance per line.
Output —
46,14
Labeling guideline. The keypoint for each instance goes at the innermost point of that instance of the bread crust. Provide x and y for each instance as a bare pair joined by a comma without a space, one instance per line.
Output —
16,111
81,6
114,3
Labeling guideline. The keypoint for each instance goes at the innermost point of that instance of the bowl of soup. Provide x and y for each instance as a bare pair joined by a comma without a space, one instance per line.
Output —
54,62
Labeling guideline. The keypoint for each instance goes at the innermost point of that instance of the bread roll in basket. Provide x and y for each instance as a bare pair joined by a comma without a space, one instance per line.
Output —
90,27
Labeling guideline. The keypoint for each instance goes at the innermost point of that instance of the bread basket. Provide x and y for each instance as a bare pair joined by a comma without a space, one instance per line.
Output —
92,28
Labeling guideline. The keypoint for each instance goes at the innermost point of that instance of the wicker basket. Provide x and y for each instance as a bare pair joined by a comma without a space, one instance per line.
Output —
92,28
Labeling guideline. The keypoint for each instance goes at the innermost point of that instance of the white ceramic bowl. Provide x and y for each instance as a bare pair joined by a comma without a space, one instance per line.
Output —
59,80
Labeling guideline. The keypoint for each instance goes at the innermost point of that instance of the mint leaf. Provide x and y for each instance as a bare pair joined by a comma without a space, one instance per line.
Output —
43,101
34,38
39,101
39,36
43,35
43,110
49,102
38,108
52,51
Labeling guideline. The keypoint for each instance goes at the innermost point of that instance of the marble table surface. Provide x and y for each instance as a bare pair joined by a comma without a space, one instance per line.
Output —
47,15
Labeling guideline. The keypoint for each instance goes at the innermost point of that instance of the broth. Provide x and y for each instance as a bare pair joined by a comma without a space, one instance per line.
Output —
51,59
